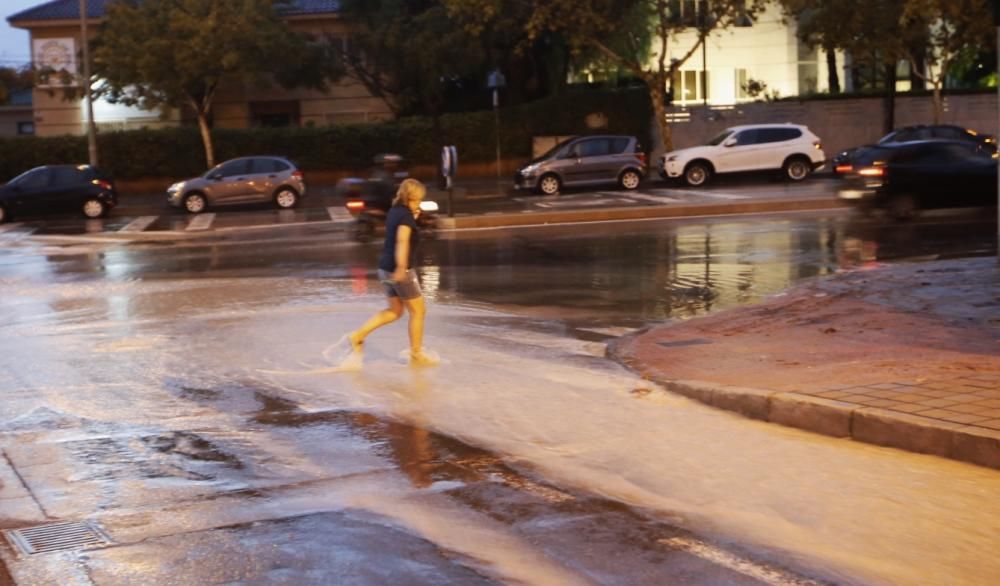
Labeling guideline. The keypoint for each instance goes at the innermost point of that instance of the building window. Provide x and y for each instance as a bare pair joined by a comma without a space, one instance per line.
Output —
26,128
690,86
741,84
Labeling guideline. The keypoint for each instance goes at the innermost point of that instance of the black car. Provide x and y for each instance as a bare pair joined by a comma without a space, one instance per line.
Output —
55,188
844,161
905,178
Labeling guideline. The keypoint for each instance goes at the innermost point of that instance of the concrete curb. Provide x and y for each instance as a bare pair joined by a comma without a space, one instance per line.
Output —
638,213
871,425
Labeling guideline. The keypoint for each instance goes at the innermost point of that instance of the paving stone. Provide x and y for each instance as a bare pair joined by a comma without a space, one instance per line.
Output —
936,413
965,418
990,423
938,403
970,408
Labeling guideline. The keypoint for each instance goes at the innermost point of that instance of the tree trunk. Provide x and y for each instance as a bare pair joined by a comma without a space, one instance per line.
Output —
206,138
832,76
657,96
889,105
938,101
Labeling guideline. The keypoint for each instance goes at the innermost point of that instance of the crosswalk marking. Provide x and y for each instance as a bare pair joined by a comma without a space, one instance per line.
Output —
201,222
139,224
637,196
701,193
563,204
10,235
339,214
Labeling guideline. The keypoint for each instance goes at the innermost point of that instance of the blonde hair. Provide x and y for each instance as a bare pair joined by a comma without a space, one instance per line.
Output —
409,190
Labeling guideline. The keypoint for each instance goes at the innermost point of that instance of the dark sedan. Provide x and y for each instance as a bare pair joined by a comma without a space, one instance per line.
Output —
843,162
906,178
58,188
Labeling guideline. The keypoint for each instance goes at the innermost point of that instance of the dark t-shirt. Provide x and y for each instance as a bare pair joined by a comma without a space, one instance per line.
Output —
399,215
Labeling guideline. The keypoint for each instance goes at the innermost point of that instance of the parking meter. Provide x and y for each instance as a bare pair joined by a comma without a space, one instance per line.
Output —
449,168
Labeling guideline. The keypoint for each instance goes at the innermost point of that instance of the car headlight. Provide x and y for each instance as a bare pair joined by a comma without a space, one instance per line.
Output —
175,187
670,159
529,170
428,206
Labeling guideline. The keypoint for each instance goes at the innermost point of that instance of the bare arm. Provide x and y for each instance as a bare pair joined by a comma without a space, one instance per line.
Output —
402,252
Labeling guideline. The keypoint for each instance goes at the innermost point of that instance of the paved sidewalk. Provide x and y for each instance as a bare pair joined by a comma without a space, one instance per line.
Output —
905,356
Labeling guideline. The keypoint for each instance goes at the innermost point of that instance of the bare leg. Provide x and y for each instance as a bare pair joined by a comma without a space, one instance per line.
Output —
386,316
417,309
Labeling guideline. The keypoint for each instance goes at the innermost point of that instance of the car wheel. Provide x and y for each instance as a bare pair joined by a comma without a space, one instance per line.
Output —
629,180
797,169
697,174
195,203
3,214
549,184
902,207
286,198
94,208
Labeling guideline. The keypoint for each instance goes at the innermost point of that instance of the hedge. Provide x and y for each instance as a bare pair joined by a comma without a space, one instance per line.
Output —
178,152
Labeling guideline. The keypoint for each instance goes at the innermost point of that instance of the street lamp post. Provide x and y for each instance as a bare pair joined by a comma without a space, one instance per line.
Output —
91,128
996,140
495,81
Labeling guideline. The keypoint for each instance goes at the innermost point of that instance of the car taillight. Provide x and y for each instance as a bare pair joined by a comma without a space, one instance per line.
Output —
642,158
844,168
103,184
355,205
297,174
872,172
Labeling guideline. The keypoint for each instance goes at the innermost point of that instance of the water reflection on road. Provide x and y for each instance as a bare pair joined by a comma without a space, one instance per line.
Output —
132,357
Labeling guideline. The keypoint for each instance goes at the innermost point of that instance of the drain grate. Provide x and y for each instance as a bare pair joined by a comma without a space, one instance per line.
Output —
57,536
690,342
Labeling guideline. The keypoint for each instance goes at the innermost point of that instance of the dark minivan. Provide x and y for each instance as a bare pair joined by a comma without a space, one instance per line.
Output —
57,188
583,161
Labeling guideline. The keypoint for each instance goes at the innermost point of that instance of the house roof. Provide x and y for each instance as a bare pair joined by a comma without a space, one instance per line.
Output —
70,9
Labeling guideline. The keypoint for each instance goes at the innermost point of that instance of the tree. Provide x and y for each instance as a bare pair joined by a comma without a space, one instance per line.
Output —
406,52
953,26
871,32
176,53
13,80
635,34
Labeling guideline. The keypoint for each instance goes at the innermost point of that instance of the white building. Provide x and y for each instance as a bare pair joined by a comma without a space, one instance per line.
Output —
765,49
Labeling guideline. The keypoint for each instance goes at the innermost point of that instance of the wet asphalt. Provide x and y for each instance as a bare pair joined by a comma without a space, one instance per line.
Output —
586,282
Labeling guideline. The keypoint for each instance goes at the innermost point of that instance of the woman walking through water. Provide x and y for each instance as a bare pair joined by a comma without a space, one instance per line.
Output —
395,271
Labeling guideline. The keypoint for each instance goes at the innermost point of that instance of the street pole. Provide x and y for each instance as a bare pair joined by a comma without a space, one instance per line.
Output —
996,137
496,121
91,128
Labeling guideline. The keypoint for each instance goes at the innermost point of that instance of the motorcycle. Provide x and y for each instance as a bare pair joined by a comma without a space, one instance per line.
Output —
369,200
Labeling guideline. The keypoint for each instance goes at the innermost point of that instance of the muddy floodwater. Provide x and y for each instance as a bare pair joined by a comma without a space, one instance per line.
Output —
194,382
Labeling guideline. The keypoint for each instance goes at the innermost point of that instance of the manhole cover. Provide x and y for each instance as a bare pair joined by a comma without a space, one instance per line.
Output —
57,536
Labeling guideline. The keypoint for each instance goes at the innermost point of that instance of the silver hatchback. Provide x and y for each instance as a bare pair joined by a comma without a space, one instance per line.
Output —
241,181
585,161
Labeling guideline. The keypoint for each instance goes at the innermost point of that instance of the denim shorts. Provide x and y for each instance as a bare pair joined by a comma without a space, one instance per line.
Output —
407,289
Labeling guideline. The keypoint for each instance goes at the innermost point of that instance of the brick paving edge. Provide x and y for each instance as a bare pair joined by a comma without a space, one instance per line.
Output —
839,419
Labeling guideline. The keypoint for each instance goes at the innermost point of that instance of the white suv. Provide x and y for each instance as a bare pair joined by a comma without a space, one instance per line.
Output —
759,147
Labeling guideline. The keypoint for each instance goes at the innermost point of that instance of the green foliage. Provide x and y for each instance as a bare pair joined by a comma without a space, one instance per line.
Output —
177,53
173,153
14,79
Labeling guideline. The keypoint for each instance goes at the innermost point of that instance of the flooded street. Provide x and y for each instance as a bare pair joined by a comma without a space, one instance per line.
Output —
181,395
